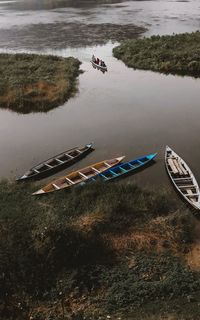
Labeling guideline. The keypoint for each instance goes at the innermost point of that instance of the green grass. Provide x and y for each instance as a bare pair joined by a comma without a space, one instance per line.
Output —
36,83
176,54
97,250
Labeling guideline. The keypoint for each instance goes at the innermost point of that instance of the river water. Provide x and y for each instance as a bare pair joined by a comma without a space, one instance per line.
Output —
124,111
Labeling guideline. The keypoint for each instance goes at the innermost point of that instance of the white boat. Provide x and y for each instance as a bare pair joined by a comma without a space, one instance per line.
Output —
98,66
182,178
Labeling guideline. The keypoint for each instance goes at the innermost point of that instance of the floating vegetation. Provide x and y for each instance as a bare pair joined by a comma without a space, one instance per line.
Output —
176,54
36,83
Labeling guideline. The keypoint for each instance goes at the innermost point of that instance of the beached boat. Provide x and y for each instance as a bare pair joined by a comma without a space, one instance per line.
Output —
57,163
97,66
125,168
182,178
79,176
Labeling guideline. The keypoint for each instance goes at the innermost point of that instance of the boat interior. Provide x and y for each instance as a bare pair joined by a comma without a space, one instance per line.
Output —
182,178
135,163
78,176
58,160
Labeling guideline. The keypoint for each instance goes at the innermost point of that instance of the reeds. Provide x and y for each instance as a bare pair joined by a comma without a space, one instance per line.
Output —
176,54
36,83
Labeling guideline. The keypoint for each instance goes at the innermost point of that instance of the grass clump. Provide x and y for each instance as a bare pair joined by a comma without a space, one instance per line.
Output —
176,54
101,249
36,83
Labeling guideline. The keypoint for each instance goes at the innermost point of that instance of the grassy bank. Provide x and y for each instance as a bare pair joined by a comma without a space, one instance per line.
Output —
36,83
112,249
176,54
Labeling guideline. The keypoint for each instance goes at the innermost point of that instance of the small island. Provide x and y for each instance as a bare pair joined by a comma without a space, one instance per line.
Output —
175,54
36,83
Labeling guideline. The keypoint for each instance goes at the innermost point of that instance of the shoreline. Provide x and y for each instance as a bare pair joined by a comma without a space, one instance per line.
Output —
91,259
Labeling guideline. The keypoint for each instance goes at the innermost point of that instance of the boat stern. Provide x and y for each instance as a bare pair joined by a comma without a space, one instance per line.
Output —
89,145
196,205
119,159
152,156
21,178
41,191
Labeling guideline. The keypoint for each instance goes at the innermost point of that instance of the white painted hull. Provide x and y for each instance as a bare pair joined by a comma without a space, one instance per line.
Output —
182,178
98,66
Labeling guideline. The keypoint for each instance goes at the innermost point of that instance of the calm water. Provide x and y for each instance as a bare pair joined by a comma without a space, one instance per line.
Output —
125,112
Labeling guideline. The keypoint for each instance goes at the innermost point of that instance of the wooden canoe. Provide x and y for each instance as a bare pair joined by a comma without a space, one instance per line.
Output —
97,66
57,163
125,168
79,176
182,178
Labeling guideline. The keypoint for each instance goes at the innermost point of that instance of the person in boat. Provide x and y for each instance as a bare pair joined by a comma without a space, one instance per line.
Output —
97,60
103,64
93,59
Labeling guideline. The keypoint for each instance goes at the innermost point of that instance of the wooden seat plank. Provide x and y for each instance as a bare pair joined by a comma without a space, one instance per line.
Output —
55,186
172,166
83,175
175,162
70,181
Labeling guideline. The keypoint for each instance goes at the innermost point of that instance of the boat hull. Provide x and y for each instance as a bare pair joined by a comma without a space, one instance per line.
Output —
32,174
79,176
126,168
182,178
97,66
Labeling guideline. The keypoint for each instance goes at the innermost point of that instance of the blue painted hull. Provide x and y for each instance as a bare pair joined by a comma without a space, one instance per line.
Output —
125,168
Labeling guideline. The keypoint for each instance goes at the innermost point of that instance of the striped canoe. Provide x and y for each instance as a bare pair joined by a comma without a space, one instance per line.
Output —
57,163
125,168
79,176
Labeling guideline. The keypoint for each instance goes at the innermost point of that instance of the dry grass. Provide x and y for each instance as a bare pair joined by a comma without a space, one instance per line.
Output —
88,221
34,83
95,257
193,256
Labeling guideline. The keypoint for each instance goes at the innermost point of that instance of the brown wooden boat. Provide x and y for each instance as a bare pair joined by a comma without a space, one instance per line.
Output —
79,176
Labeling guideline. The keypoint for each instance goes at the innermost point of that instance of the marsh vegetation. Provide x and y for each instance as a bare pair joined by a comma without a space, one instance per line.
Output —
94,251
176,54
36,83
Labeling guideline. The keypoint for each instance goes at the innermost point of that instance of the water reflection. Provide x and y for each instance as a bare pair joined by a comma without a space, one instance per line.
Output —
123,111
52,4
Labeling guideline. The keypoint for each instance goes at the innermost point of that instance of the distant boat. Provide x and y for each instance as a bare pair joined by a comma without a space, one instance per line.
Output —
98,66
95,65
79,176
182,178
57,163
125,168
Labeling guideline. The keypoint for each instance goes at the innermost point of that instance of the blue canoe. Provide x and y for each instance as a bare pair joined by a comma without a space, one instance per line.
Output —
125,168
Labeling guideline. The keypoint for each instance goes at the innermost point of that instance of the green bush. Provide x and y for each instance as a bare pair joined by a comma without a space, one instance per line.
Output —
176,54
